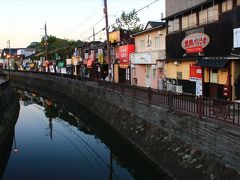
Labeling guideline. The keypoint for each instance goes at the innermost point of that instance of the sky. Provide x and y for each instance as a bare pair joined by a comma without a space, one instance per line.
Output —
22,21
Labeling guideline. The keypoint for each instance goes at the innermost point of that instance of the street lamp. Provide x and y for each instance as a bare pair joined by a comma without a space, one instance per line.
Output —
8,58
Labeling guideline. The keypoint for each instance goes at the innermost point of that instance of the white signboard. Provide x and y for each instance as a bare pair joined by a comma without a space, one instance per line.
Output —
68,61
198,86
236,38
141,58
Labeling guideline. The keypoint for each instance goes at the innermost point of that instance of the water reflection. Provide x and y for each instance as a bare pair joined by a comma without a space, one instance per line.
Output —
8,118
65,141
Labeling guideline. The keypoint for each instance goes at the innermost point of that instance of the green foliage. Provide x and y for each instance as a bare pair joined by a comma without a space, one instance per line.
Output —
58,49
129,21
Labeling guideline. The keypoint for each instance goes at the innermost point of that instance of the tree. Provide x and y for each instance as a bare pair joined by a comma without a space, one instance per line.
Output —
129,21
58,49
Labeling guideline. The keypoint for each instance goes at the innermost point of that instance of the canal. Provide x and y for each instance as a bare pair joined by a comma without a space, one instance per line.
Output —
57,140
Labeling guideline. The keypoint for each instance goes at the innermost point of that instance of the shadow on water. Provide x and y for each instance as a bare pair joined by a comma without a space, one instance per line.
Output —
122,152
8,118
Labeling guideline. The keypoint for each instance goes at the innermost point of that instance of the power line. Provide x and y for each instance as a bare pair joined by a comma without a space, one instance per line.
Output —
147,6
94,34
116,22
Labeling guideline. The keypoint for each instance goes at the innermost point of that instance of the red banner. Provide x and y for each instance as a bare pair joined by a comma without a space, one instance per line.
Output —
195,72
124,54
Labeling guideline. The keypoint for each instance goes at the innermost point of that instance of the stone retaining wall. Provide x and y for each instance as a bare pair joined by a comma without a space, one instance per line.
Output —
182,145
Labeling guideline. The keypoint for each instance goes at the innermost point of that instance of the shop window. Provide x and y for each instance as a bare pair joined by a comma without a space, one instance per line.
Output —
227,5
238,2
214,76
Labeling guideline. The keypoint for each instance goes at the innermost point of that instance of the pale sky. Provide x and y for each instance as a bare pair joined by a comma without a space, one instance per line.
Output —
22,21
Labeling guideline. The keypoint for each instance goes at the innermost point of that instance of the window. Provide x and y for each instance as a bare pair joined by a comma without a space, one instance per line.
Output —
149,41
192,20
236,38
208,15
142,44
134,71
157,42
176,24
185,22
215,12
154,73
227,5
127,74
173,25
189,21
203,17
238,2
214,76
170,26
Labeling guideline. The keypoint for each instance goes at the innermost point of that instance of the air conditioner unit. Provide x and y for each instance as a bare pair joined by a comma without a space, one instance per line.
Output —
160,64
169,87
178,89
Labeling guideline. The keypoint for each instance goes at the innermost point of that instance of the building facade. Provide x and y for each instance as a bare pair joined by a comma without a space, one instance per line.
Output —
147,63
202,45
121,46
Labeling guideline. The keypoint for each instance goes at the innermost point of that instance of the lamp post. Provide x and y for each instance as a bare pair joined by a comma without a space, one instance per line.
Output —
8,57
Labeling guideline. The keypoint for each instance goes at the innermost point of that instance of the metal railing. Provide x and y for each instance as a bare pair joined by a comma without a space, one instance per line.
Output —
203,107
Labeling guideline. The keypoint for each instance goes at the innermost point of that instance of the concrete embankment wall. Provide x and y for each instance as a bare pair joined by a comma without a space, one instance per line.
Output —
9,109
182,145
6,93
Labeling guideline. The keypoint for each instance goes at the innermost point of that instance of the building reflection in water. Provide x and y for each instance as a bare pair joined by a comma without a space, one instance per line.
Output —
60,115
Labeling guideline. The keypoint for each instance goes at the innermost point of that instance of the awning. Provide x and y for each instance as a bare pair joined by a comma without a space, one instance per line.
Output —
124,66
213,62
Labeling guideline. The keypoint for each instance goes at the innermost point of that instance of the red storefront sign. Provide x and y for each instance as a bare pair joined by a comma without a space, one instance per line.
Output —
124,54
195,72
195,43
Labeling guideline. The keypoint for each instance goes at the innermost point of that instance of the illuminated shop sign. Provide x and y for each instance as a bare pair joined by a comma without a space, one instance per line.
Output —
195,43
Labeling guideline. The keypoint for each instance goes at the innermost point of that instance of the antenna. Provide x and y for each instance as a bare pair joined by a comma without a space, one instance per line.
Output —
161,16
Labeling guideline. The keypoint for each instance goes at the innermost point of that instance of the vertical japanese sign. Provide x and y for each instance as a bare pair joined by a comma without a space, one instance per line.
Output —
196,76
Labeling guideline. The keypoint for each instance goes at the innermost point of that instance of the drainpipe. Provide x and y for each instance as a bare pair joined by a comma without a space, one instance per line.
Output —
230,82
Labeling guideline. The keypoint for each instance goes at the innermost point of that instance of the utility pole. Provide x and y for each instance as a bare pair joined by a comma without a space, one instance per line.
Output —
108,46
93,34
9,57
46,40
